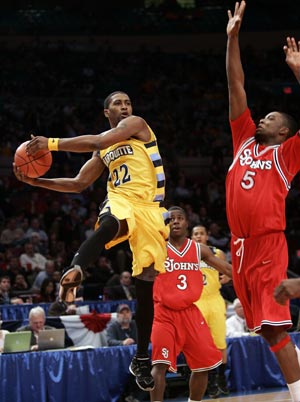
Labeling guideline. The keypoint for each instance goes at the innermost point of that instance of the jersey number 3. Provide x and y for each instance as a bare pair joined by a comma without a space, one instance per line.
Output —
183,284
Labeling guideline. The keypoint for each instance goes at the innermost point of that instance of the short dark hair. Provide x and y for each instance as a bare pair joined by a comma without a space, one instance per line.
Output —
290,123
58,308
107,100
4,277
199,225
176,208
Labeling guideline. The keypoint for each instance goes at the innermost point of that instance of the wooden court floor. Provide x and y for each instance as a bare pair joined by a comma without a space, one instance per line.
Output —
280,395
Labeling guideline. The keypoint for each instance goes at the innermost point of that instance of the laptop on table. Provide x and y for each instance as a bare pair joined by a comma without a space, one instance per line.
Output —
51,339
17,342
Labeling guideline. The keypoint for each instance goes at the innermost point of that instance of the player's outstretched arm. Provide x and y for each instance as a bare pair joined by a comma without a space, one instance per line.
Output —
288,289
132,126
234,68
218,263
88,173
292,56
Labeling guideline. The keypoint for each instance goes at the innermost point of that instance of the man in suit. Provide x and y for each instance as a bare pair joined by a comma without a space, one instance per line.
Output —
37,319
125,290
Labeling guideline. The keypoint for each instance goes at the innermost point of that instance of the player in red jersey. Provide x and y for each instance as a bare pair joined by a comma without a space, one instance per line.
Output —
266,158
178,324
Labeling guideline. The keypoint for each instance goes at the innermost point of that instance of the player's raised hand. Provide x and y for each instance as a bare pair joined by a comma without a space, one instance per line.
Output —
36,144
235,20
292,55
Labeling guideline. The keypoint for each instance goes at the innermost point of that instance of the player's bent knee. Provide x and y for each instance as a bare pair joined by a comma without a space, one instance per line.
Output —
159,368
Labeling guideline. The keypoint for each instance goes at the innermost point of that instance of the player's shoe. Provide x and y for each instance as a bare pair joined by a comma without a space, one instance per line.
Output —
213,391
140,367
213,386
222,384
69,282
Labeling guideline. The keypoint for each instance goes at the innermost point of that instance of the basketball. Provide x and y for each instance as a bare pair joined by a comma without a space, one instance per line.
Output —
32,166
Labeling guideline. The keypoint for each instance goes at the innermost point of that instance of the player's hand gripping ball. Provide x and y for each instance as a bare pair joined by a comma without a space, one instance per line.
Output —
32,165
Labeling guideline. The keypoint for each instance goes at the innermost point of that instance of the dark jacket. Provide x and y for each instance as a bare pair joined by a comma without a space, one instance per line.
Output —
118,293
116,335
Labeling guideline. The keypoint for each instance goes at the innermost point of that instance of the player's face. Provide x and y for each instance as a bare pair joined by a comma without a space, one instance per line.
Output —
178,224
268,128
199,234
118,109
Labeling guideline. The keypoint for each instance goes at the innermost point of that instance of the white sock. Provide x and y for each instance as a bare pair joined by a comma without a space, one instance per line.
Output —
192,400
294,389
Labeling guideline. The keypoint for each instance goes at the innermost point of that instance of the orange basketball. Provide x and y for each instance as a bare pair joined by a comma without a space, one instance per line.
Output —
32,165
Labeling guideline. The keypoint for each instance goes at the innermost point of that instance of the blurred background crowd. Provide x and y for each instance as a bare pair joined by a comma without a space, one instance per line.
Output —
55,86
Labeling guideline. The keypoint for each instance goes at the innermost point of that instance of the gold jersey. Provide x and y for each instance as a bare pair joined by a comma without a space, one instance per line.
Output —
135,170
211,280
211,303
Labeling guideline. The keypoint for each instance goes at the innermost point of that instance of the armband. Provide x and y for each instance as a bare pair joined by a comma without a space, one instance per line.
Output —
281,344
53,144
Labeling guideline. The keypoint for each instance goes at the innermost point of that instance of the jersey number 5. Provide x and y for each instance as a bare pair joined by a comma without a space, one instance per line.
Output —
248,180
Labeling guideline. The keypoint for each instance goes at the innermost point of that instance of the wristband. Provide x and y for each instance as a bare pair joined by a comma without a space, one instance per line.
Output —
53,144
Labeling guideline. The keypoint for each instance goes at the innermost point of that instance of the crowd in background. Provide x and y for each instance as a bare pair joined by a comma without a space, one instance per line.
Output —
141,17
182,96
56,88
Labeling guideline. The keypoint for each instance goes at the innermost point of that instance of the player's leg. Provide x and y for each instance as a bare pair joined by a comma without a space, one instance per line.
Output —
88,252
165,346
265,309
144,308
141,364
197,385
159,375
218,331
200,355
214,312
148,246
222,382
286,355
213,390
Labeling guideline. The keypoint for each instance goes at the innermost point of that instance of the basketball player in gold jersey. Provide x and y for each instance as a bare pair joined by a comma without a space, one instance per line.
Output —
213,308
132,209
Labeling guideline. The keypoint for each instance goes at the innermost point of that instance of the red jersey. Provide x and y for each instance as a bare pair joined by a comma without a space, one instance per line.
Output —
181,285
258,180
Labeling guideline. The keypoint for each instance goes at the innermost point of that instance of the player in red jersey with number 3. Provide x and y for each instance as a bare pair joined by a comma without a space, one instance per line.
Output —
266,158
178,323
